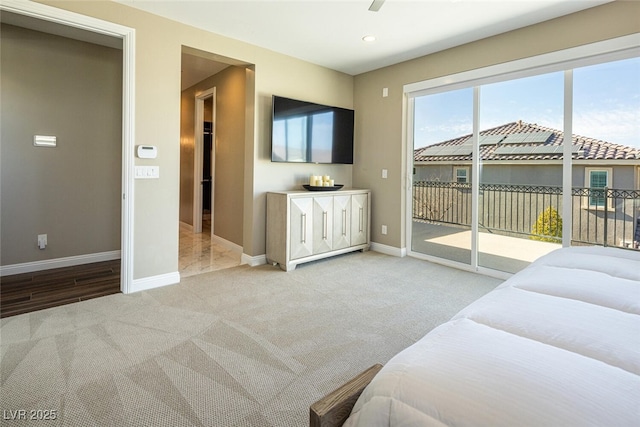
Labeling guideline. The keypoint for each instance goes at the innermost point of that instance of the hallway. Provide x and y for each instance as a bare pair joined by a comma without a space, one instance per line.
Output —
198,254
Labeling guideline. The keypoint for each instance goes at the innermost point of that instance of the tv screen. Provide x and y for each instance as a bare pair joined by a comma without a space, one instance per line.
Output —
304,132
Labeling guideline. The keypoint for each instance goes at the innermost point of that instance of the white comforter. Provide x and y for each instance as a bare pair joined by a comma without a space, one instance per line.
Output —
558,344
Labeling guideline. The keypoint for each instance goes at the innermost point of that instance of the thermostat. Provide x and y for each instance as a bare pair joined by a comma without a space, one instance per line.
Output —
147,151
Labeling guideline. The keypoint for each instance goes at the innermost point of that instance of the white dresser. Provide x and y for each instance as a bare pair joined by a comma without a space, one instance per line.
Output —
304,226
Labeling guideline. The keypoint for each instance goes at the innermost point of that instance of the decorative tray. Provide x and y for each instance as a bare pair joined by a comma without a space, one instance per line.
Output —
314,188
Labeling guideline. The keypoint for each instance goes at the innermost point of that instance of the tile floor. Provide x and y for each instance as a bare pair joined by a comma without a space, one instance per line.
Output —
198,254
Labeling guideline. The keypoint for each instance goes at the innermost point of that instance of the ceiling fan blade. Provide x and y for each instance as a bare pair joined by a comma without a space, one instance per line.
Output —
376,5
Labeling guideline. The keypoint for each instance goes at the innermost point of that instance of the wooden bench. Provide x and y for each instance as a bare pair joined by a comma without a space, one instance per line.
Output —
334,409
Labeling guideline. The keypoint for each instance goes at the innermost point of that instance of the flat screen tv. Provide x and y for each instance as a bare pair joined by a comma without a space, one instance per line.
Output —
305,132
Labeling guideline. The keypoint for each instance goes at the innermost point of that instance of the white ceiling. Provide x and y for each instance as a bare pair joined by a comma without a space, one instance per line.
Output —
329,32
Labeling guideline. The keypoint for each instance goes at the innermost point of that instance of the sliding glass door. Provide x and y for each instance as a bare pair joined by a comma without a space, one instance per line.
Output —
520,192
606,195
441,190
513,162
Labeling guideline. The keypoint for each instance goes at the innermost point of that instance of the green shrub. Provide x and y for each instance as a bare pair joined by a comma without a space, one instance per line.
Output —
549,223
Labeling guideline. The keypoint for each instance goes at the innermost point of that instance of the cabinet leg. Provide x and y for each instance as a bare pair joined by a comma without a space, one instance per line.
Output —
288,267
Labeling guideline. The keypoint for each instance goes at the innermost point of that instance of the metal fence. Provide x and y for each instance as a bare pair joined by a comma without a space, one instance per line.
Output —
608,217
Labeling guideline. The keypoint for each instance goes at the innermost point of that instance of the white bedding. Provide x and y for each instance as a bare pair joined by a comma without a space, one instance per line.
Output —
558,344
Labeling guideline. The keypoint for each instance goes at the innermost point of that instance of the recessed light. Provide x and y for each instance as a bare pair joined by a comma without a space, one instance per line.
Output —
369,38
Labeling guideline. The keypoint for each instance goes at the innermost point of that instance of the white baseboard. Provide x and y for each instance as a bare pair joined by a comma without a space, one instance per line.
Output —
253,261
152,282
377,247
227,244
28,267
388,250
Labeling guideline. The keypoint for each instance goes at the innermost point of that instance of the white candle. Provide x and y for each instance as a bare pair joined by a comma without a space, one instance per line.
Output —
312,180
331,183
326,178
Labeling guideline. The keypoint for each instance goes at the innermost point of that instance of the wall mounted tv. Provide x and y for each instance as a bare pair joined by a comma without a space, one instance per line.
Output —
304,132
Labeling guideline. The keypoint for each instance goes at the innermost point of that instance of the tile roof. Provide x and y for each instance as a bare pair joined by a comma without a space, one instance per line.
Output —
524,141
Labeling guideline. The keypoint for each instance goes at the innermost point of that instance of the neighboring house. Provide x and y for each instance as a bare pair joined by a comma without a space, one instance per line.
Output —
521,176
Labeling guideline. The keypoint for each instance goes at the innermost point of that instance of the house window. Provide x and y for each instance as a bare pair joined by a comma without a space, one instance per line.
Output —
597,179
461,173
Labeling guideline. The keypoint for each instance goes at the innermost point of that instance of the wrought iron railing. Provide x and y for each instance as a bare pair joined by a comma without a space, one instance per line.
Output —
608,217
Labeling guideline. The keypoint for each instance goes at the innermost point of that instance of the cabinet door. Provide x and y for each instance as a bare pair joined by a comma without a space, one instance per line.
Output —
341,222
359,218
300,218
322,224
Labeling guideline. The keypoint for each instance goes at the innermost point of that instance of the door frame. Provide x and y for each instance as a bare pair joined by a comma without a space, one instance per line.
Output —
198,157
127,35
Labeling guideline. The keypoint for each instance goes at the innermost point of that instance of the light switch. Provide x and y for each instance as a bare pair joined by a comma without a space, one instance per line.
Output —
385,92
384,173
147,172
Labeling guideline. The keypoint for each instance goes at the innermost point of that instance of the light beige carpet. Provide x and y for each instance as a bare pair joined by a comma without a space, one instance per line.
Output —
237,347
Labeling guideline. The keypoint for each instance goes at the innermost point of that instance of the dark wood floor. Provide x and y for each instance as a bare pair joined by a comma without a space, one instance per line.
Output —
23,293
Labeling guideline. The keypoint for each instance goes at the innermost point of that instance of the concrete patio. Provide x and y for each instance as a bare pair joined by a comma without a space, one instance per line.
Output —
504,253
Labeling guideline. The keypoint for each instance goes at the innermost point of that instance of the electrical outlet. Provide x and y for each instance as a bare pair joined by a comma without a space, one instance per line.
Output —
42,241
384,229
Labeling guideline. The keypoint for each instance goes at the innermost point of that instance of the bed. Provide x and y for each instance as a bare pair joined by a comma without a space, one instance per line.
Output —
556,344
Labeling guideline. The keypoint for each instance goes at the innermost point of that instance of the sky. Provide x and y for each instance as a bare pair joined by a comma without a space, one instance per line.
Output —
606,105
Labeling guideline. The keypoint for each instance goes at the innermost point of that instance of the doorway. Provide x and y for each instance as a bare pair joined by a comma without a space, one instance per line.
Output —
84,28
200,250
204,162
214,90
207,176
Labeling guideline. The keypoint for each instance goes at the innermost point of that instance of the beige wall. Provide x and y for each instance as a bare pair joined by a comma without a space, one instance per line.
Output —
378,120
229,154
379,128
72,90
298,80
157,122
